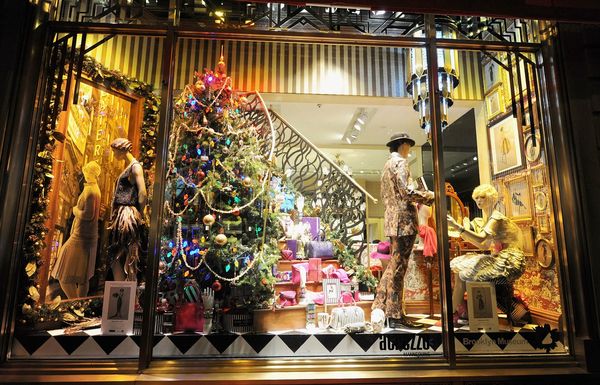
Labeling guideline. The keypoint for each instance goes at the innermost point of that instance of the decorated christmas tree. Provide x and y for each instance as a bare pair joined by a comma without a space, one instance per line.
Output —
216,220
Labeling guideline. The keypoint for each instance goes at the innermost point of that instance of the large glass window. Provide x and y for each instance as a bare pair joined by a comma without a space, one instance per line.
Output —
298,215
506,296
86,242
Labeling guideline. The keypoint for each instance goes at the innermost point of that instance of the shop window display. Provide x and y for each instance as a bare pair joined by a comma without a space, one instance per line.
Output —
255,260
495,244
74,227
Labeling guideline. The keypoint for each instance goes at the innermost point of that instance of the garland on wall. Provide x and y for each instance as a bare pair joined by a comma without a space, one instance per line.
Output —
31,311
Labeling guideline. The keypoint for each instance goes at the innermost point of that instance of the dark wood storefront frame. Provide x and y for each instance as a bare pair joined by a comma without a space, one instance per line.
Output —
145,364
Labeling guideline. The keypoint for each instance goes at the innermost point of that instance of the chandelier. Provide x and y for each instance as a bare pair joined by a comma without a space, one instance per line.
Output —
417,84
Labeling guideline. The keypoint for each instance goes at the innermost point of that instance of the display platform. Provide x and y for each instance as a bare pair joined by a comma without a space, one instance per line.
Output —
291,343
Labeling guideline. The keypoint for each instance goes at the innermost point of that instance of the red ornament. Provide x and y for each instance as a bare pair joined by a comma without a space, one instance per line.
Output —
200,174
236,212
216,286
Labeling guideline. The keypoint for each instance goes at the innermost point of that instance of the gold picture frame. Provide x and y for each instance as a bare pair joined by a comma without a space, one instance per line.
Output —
506,146
518,198
494,102
492,74
540,199
533,154
528,235
544,253
538,176
543,223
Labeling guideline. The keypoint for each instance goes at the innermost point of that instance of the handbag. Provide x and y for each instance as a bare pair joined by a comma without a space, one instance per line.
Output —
190,317
287,254
287,298
345,315
319,249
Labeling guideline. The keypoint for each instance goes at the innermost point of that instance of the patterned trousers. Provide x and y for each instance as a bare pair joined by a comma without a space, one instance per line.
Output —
390,290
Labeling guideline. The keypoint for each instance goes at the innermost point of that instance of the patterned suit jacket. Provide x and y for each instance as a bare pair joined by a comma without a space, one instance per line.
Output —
399,198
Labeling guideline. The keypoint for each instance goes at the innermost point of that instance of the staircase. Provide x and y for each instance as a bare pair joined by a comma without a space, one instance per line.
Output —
323,184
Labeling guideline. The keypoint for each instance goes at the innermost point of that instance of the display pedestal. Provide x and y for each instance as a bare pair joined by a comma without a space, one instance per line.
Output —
294,317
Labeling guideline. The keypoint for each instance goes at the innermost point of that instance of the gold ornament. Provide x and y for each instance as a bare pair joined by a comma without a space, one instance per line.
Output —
208,220
247,182
221,239
199,86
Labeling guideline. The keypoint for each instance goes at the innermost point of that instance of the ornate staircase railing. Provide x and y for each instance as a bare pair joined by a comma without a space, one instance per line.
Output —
322,183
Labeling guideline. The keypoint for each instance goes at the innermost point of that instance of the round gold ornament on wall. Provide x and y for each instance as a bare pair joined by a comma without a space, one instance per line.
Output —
541,201
533,153
544,253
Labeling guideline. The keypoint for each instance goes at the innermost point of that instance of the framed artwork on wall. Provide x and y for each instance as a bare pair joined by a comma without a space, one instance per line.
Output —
544,253
519,197
538,176
498,184
491,75
543,223
494,102
505,143
533,153
540,199
528,236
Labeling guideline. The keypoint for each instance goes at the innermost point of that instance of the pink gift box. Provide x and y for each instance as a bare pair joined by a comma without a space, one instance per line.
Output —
314,270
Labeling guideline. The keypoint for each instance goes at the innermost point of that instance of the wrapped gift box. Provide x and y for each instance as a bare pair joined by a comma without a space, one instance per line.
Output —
314,270
315,226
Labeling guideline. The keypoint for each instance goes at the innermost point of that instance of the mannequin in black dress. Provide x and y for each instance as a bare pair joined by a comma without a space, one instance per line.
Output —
128,228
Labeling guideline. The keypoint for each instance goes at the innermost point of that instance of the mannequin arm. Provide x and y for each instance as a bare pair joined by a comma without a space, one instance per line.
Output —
479,238
89,207
417,196
138,175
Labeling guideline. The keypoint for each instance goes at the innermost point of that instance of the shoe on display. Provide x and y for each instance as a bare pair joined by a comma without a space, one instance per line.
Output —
404,323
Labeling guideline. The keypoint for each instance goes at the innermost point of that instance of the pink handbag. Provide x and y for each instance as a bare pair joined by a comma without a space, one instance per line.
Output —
287,254
287,298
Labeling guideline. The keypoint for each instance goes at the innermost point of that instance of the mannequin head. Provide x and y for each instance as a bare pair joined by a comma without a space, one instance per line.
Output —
91,171
402,147
485,196
121,147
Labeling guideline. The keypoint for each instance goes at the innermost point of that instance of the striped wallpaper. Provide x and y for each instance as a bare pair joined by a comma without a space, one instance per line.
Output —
282,67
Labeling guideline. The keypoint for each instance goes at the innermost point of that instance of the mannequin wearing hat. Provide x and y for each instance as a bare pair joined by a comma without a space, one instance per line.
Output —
128,229
76,259
401,226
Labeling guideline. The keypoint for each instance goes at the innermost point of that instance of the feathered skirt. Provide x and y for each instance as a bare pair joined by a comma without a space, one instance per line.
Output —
508,264
128,239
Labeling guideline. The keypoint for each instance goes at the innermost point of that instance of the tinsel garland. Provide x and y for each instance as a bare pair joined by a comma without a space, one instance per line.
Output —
30,311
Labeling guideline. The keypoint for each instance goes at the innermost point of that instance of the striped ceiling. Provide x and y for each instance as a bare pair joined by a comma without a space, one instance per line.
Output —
282,67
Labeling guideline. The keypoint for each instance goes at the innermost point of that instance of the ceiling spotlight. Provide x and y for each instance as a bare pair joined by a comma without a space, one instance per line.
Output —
356,126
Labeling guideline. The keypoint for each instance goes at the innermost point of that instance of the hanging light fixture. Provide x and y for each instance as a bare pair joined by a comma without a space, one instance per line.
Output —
417,84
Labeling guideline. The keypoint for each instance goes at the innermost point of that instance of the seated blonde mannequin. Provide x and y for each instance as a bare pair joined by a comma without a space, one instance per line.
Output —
498,233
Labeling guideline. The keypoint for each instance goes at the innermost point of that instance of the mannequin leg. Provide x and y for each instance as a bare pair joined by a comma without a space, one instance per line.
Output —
70,289
117,269
458,293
